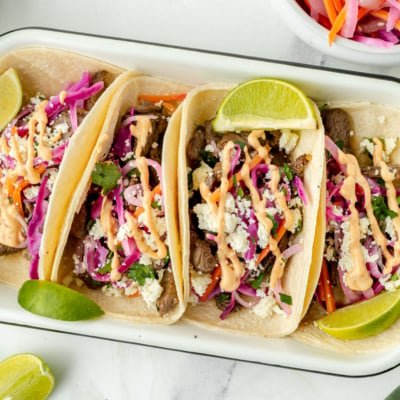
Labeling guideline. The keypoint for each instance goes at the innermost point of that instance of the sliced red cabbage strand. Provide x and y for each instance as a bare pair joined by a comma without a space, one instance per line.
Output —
255,173
300,189
228,309
122,143
35,228
247,290
235,160
96,256
96,208
127,263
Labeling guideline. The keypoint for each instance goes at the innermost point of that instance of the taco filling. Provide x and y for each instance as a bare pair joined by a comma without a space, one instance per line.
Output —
246,208
362,252
32,147
123,246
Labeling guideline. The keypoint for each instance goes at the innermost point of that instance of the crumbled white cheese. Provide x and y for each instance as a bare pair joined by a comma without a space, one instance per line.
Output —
389,229
266,307
367,145
205,217
111,291
390,145
123,232
346,261
200,174
263,236
238,240
364,227
31,192
145,259
297,220
97,230
288,140
131,289
150,292
200,282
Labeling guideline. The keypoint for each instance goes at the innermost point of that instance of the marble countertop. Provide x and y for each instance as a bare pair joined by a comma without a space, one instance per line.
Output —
95,369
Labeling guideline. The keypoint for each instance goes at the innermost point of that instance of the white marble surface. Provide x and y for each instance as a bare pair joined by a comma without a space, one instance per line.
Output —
87,368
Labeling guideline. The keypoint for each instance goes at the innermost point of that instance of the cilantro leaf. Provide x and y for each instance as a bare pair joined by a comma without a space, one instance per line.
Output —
139,272
106,175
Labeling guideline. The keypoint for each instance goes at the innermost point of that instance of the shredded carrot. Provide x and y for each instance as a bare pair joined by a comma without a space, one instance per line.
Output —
139,210
14,130
338,4
137,294
337,25
326,283
279,234
16,196
215,277
154,98
214,196
331,10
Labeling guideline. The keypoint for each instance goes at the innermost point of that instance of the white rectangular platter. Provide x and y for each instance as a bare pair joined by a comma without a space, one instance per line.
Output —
199,67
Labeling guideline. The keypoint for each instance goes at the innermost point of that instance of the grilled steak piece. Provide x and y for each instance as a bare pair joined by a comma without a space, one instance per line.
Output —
169,298
5,250
299,165
337,126
79,224
201,254
375,172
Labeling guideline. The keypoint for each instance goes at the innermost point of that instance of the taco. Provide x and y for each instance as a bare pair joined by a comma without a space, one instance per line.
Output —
59,90
248,211
361,256
123,246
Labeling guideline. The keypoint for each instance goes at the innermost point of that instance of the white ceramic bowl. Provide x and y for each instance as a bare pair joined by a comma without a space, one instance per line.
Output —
314,34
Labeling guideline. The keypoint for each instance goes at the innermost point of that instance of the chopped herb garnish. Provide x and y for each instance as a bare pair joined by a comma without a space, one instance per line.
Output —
241,145
106,175
105,269
208,158
380,208
394,277
133,172
275,226
139,272
234,182
288,171
223,297
255,284
286,299
240,192
156,204
340,144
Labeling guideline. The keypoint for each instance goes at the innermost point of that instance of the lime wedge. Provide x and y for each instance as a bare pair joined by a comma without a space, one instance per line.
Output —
265,104
25,377
367,318
10,96
55,301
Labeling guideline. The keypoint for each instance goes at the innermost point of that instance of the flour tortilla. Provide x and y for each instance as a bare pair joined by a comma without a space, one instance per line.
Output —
367,120
123,307
45,71
200,106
